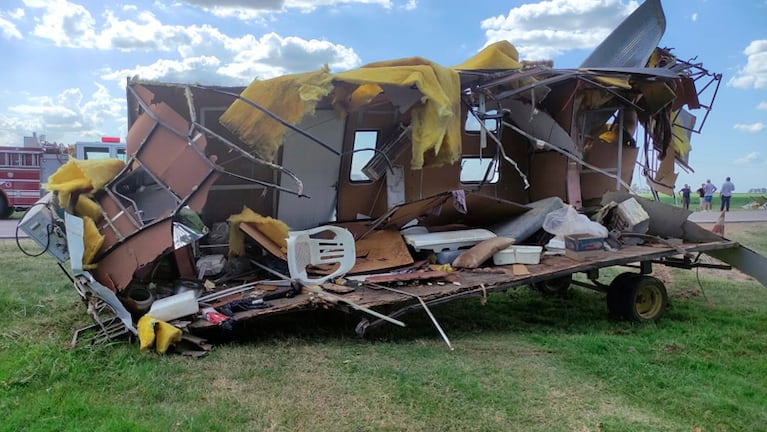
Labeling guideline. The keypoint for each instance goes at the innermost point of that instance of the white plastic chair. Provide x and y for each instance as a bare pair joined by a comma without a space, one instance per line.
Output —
305,248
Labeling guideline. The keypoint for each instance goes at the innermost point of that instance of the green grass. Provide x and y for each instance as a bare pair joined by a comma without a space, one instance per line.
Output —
522,362
737,201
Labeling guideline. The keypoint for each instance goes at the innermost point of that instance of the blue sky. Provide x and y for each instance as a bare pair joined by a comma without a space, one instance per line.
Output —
66,62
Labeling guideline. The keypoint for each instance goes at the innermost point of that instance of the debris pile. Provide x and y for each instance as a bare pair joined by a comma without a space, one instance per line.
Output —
401,184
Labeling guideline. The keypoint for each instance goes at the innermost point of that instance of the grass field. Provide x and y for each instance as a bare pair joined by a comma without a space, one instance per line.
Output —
737,201
522,362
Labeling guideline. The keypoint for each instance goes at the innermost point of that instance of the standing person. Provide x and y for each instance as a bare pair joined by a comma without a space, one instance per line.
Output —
726,193
685,192
709,195
701,193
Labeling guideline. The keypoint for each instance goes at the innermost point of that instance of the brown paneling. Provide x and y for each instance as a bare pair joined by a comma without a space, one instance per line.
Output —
368,198
605,155
548,176
510,185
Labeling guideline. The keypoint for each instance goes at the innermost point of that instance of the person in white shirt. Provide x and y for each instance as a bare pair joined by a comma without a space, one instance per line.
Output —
726,193
709,196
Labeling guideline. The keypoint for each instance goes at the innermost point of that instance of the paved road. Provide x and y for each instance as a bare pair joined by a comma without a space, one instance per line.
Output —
8,229
731,216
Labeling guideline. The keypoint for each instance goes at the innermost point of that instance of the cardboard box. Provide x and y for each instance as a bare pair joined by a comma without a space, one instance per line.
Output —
584,242
584,255
630,216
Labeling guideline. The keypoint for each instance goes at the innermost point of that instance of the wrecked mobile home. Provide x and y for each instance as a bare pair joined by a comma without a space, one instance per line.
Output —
387,189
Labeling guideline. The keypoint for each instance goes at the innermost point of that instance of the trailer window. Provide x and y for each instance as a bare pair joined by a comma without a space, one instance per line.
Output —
121,154
96,153
364,141
473,170
472,124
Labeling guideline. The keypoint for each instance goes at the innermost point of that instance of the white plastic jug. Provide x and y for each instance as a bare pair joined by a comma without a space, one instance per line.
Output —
175,306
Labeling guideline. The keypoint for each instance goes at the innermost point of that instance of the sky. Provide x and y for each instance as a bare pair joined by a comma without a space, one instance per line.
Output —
65,63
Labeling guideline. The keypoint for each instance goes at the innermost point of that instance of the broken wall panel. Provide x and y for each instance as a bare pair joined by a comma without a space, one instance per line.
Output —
548,176
358,196
168,171
369,198
511,186
318,168
117,266
605,156
481,211
190,102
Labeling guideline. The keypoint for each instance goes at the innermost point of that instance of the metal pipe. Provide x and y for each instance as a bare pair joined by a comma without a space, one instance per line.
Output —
271,115
423,303
317,290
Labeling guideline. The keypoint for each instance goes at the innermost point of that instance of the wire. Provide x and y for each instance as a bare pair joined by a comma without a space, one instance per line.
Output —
697,276
49,230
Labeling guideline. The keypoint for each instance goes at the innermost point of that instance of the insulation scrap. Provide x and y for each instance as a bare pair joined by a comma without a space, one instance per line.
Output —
436,121
274,229
291,97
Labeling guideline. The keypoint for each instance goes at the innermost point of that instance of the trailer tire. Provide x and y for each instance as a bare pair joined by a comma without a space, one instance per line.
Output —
555,287
615,293
5,210
636,297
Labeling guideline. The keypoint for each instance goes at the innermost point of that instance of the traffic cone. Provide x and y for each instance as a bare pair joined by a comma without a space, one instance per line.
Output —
719,225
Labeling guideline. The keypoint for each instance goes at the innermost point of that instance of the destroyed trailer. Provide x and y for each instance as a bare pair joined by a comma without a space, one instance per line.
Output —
385,189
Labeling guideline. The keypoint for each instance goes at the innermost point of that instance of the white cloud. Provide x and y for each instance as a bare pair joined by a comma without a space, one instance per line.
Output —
8,29
546,29
694,17
66,24
753,127
410,5
205,54
762,106
16,14
248,9
201,69
753,158
70,25
237,61
754,73
70,116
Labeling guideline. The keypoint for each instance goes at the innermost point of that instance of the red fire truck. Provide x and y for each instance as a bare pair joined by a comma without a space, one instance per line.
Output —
24,170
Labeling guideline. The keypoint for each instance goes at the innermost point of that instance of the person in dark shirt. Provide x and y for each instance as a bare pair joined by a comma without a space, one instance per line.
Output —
685,192
701,191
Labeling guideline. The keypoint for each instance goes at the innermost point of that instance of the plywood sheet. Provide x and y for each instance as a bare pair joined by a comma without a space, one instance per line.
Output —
267,243
381,250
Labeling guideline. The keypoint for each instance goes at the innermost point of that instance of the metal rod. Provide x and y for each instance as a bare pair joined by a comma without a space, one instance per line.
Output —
272,115
317,290
619,177
252,158
568,155
423,303
223,293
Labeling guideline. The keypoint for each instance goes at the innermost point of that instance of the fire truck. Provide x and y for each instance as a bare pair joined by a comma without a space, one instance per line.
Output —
25,170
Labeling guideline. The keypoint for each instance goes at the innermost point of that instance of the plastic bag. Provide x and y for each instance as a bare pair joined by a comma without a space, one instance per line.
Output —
567,221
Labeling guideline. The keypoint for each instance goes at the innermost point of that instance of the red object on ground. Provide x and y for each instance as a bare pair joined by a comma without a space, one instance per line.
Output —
718,227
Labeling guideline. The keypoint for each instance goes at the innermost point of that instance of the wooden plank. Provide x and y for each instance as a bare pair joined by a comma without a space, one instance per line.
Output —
381,250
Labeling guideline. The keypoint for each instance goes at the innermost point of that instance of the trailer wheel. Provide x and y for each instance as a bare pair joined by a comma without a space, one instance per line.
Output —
5,210
637,297
555,287
615,293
